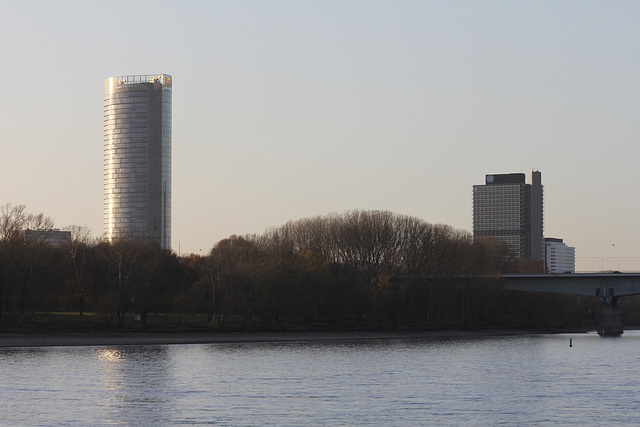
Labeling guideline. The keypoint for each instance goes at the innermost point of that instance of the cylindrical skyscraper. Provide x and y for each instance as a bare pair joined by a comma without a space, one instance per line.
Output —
137,158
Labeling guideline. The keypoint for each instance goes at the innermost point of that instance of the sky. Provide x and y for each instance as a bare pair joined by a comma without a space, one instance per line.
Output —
285,110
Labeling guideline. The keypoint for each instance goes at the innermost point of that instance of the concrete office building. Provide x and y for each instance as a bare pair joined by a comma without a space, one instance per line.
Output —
559,258
55,237
137,158
509,209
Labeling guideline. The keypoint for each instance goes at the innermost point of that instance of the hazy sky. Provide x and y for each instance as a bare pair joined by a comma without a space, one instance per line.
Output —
289,109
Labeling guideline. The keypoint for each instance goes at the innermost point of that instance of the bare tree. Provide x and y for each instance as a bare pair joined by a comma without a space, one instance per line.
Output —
120,254
22,238
77,248
35,255
12,220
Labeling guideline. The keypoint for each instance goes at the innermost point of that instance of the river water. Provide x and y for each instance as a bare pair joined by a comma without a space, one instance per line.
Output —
507,380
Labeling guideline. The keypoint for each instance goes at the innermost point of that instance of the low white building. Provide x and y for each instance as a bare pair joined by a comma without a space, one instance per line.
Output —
559,258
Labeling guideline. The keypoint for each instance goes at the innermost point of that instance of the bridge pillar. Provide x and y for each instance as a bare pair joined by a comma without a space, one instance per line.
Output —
610,320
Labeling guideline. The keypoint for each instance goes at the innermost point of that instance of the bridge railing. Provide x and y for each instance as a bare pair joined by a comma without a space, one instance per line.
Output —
607,272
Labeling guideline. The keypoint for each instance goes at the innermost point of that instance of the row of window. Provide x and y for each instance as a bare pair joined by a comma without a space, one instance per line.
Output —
129,212
137,91
119,93
128,198
121,151
140,138
125,123
498,219
122,128
114,212
117,109
509,212
125,148
124,115
562,256
126,97
130,165
123,103
501,214
129,179
126,193
114,146
500,203
500,196
135,111
484,191
122,154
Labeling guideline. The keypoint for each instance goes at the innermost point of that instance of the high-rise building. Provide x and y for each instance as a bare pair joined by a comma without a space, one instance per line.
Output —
559,257
137,158
509,209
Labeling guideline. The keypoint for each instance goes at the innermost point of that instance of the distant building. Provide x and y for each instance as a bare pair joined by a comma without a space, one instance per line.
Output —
509,209
51,237
137,158
560,258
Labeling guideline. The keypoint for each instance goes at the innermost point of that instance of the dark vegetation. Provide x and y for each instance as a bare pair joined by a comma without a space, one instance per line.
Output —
357,270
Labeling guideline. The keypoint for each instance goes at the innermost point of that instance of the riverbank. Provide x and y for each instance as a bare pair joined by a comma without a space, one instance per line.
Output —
158,338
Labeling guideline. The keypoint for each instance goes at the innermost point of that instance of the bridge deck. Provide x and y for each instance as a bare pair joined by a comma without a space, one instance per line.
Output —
592,284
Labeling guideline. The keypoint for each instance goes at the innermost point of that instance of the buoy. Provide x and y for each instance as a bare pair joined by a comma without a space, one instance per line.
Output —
570,342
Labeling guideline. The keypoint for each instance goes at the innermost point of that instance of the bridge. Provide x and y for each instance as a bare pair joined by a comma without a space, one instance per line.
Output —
609,287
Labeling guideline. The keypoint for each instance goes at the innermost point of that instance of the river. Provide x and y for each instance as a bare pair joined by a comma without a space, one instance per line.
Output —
508,380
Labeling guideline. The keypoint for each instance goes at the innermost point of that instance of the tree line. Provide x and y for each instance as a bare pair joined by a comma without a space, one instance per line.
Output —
358,269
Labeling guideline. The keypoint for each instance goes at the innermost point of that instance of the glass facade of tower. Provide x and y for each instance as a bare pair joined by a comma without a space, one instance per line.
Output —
510,210
137,158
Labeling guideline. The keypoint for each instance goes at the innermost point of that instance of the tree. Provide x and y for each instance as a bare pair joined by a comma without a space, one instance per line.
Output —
155,280
132,263
25,251
232,266
76,251
12,220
